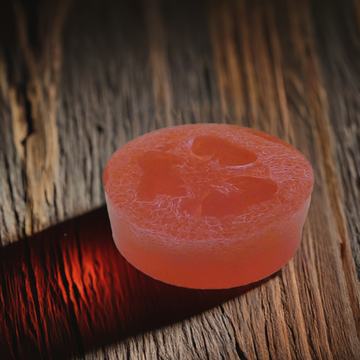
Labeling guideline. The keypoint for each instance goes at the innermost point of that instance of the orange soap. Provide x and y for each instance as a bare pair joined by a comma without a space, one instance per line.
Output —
207,206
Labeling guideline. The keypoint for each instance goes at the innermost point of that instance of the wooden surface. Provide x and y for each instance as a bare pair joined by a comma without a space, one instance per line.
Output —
80,78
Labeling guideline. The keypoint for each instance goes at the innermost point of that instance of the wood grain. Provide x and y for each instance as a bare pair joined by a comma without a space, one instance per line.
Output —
80,292
78,80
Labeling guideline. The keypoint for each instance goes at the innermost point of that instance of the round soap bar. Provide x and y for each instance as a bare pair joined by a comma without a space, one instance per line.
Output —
207,206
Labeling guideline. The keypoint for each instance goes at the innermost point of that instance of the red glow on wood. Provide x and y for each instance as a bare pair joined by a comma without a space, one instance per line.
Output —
68,289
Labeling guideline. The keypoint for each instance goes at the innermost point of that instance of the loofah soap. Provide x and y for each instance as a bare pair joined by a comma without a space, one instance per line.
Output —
207,206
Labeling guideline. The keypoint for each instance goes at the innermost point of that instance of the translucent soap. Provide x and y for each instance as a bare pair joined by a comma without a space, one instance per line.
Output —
207,206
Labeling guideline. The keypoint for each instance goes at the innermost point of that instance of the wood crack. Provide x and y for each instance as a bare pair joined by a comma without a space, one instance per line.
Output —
32,293
72,312
11,192
33,105
12,341
238,349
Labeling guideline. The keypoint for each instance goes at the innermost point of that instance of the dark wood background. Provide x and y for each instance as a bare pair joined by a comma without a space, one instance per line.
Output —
80,78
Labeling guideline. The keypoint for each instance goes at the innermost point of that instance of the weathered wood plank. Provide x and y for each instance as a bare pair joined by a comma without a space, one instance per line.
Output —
67,290
124,68
340,67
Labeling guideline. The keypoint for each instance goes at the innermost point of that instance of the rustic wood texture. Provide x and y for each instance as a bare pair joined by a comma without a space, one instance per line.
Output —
80,78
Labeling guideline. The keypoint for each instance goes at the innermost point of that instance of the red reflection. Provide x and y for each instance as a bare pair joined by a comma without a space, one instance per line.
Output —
68,290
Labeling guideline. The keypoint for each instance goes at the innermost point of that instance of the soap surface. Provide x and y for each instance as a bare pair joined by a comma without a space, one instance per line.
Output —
207,206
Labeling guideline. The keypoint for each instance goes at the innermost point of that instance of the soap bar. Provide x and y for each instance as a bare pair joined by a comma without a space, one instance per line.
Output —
207,206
